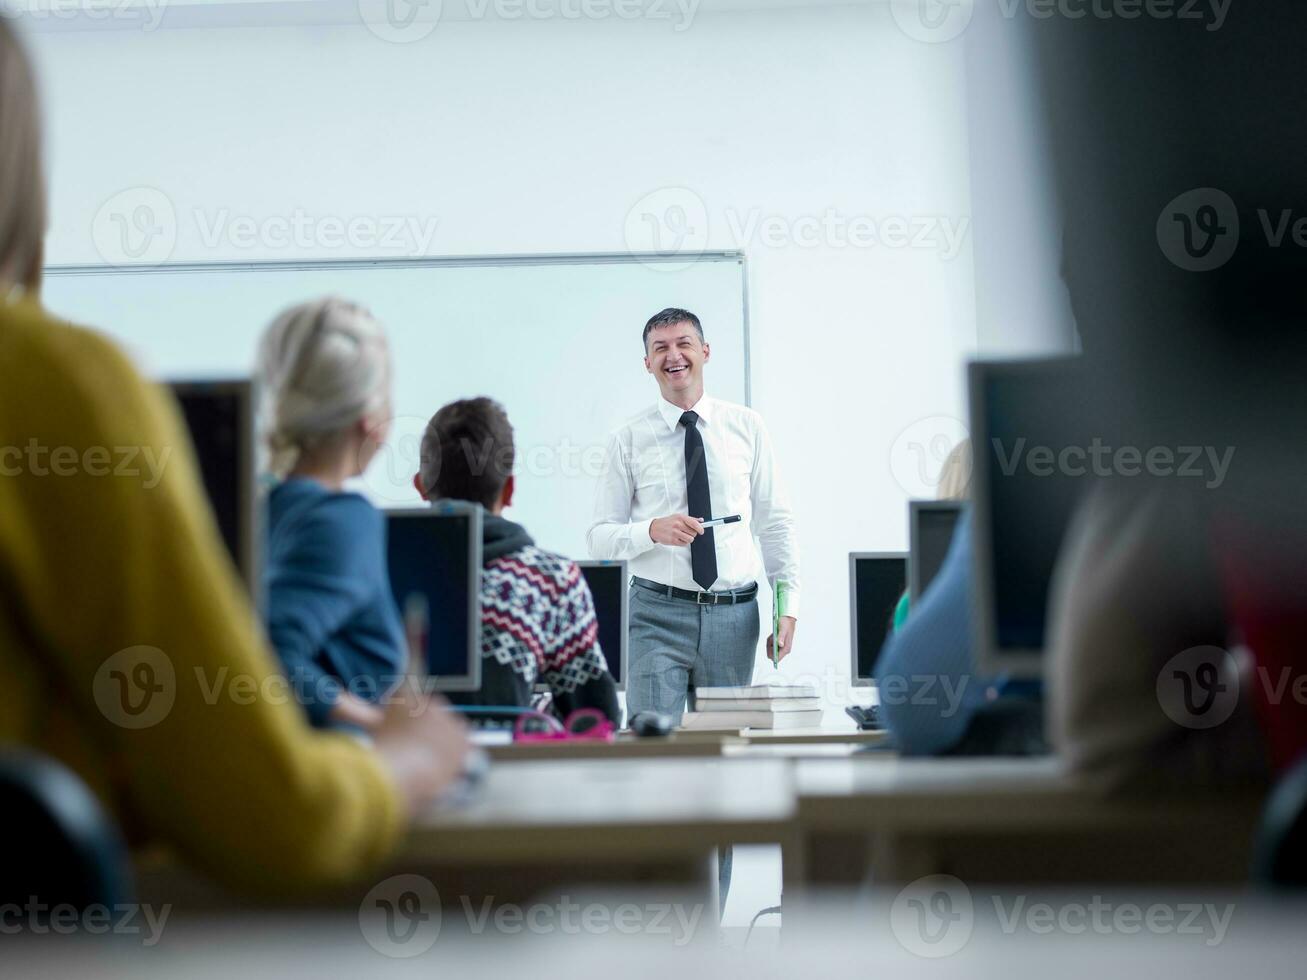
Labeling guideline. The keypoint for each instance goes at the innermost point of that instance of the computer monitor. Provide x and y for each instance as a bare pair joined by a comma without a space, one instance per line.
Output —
930,533
877,580
434,556
1024,487
610,585
220,418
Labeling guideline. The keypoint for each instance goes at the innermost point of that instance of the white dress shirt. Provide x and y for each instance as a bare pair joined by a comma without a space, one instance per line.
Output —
645,478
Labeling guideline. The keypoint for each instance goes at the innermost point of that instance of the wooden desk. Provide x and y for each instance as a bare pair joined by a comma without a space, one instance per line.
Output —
814,736
814,743
801,743
625,747
535,828
579,811
1003,820
790,750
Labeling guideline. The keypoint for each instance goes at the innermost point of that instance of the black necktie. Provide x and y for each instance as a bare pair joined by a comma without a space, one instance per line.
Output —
703,550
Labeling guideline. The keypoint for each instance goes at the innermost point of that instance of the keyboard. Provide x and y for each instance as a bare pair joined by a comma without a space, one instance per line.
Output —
868,718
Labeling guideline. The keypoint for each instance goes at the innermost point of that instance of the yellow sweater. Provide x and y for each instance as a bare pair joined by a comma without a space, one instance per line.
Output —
106,546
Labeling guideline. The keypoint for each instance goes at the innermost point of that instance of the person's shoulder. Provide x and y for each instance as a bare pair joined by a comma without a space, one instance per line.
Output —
637,421
735,412
562,571
38,333
350,511
344,514
72,365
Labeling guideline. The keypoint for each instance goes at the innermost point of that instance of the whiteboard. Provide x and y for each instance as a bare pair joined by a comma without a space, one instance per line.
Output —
555,339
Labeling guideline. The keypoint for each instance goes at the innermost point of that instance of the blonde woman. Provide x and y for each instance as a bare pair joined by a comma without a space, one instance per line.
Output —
127,645
955,474
954,484
324,372
935,642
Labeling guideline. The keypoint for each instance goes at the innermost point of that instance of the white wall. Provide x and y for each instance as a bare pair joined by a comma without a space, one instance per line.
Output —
1022,306
542,137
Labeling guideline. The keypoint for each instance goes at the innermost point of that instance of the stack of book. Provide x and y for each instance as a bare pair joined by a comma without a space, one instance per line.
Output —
775,706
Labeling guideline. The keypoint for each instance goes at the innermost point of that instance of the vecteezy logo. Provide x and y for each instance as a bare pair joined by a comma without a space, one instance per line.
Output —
917,456
138,225
1199,230
933,916
400,917
668,221
388,474
136,687
1199,687
400,21
932,21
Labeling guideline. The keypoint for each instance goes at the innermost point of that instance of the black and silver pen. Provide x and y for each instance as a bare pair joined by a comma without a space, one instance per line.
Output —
733,519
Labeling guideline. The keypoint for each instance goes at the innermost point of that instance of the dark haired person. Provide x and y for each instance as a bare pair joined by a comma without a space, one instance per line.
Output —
687,459
537,615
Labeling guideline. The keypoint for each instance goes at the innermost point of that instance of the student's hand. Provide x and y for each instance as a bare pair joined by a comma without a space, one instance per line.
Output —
788,623
678,530
352,710
423,742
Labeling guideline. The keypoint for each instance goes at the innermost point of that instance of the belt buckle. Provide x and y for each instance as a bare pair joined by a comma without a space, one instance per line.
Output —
699,599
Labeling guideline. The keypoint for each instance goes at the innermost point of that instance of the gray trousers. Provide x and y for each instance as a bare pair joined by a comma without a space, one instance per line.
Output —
676,646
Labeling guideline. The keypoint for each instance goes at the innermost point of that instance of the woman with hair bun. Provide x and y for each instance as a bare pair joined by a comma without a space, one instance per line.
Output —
324,377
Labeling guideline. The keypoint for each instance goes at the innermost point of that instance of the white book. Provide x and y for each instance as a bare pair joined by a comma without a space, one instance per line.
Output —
693,720
757,692
758,705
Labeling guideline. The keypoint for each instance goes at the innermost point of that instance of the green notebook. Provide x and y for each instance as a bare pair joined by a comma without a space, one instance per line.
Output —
778,603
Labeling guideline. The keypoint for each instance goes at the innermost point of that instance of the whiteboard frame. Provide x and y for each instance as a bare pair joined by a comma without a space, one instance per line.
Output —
446,261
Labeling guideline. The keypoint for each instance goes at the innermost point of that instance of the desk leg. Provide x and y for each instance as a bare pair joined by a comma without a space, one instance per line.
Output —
897,860
716,897
815,861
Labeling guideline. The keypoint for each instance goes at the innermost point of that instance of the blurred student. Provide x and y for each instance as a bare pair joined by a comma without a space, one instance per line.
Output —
324,376
936,642
1180,600
123,621
537,615
1137,611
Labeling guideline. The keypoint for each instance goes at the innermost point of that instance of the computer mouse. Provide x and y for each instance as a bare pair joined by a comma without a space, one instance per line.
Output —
465,788
651,724
475,765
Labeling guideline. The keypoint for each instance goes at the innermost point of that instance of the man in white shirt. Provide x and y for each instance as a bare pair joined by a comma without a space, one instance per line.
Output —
689,459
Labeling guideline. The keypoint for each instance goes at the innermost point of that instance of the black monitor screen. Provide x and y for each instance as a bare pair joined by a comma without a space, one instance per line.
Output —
608,586
934,535
434,581
1029,422
878,584
217,417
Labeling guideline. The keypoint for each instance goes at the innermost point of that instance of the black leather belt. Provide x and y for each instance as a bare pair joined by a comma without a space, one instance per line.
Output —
699,598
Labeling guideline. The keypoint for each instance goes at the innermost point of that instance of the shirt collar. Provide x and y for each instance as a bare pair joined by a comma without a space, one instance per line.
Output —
672,413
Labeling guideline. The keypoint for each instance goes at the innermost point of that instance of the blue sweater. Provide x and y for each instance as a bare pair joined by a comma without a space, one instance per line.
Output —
926,675
331,615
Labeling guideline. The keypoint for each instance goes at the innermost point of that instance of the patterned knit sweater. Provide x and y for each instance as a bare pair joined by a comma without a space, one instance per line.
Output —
537,626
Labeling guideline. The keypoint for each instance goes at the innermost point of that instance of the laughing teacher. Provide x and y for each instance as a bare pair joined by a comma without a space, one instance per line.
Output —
686,460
